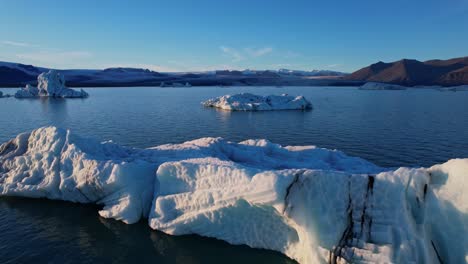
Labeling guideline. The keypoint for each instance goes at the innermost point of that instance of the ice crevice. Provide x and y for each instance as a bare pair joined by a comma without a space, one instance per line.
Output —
311,204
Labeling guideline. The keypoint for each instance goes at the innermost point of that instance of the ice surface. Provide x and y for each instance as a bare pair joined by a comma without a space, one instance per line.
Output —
54,164
50,84
381,86
312,204
27,92
251,102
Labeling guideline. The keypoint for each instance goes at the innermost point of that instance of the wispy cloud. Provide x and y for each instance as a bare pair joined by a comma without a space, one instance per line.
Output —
334,65
16,43
281,65
291,54
258,52
55,58
237,55
234,54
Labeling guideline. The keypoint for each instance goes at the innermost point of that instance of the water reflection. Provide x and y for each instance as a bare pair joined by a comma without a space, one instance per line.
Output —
55,109
252,123
60,232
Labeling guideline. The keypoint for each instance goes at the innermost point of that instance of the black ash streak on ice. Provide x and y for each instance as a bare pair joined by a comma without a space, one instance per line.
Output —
287,206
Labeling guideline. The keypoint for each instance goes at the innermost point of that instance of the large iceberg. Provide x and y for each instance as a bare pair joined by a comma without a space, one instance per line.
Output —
252,102
312,204
50,84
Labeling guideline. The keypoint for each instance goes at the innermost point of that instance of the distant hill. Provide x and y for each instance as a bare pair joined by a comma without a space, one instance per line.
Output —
413,72
17,75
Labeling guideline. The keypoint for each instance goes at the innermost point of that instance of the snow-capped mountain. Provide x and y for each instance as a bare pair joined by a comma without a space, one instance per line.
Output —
311,73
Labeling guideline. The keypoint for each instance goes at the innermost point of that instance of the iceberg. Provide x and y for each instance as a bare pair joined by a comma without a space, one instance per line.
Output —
311,204
381,86
252,102
4,95
50,84
459,88
27,92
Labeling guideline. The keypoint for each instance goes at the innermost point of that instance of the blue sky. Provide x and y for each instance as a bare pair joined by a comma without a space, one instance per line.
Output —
214,34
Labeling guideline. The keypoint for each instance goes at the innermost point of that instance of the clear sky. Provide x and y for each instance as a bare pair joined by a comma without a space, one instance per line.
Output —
193,35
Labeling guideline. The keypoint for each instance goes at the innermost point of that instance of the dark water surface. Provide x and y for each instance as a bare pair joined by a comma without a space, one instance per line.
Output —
44,231
389,128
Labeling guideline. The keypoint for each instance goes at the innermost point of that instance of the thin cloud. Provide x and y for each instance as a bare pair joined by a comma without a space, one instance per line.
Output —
281,65
50,58
17,44
291,54
259,52
237,55
334,65
234,54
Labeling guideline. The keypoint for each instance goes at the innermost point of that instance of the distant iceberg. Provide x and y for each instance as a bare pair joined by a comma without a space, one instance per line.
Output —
174,84
313,205
381,86
252,102
4,95
50,84
459,88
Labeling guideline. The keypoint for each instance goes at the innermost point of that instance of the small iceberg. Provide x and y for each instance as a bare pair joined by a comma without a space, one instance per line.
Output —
174,84
311,204
4,95
252,102
381,86
50,84
459,88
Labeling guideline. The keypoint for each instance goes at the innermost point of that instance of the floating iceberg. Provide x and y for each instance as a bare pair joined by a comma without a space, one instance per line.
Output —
459,88
4,95
312,204
50,84
381,86
27,92
252,102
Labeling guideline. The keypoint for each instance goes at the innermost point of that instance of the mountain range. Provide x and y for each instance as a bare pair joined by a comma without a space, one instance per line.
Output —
16,74
413,72
405,72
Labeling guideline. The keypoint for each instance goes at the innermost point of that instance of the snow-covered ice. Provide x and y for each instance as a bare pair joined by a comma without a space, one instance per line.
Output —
54,164
27,92
252,102
314,205
381,86
50,84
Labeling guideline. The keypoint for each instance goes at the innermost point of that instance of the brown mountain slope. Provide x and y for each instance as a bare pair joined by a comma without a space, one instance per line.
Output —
414,72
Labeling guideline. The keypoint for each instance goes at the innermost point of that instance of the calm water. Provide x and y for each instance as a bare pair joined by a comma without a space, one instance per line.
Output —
389,128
